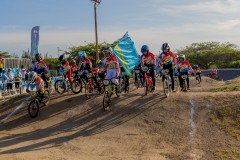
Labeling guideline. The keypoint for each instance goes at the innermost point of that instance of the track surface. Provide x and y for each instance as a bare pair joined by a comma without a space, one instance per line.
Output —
138,127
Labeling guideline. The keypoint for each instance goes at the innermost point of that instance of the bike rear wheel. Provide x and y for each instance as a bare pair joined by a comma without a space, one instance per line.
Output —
46,97
89,90
106,101
76,86
33,108
145,87
137,83
60,86
184,86
166,88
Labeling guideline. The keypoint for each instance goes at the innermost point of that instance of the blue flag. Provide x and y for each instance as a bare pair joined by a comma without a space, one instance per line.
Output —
34,40
126,53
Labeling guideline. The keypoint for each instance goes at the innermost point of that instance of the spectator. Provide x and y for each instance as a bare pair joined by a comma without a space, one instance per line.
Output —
18,78
1,65
23,74
10,79
4,79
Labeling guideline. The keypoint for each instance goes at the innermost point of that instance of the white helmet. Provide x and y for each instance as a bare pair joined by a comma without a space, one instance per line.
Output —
181,56
32,76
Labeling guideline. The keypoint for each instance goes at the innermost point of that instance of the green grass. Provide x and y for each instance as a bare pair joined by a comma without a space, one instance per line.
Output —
226,114
227,154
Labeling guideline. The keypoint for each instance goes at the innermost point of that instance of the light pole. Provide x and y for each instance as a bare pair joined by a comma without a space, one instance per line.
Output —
96,2
59,50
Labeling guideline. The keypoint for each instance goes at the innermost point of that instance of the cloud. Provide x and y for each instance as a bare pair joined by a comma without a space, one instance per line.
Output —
203,6
178,36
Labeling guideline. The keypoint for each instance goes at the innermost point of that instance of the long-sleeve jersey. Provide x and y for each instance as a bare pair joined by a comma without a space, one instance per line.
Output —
149,60
74,68
183,67
198,70
39,83
168,59
112,63
40,67
66,67
85,65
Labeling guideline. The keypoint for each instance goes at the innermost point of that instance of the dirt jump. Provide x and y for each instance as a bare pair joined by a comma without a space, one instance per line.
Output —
187,125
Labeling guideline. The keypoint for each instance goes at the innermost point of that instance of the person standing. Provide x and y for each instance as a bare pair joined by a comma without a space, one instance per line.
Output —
10,79
18,79
1,65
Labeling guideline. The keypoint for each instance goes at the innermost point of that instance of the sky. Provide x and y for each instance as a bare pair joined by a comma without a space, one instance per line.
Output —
68,23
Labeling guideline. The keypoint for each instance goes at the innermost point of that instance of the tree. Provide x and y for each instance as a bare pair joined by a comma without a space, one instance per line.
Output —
5,54
89,49
208,54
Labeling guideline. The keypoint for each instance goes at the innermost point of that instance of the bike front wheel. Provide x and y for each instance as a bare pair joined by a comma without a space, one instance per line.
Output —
33,108
106,101
89,90
145,87
76,86
166,88
60,86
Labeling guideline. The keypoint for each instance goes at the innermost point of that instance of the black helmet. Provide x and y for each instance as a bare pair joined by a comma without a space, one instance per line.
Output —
61,58
38,56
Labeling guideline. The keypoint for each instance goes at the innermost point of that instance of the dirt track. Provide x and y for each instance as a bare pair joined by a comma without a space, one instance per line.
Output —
138,127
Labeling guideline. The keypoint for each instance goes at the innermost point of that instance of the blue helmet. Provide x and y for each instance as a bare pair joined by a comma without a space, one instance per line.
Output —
195,66
165,46
144,48
82,54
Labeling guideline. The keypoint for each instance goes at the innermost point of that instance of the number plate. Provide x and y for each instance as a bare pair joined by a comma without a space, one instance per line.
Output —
106,82
184,76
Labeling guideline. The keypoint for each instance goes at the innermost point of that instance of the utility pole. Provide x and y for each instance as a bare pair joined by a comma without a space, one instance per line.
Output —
58,51
96,2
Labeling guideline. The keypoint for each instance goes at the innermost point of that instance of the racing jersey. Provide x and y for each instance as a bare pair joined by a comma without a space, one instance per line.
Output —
198,70
66,67
183,67
149,60
85,65
112,63
40,67
74,68
39,82
168,59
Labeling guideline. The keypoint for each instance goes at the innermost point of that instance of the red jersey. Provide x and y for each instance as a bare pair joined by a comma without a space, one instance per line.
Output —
149,60
184,67
112,63
168,59
74,68
66,67
39,82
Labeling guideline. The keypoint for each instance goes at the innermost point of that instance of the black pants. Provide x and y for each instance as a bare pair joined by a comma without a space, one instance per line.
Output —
140,76
127,79
17,85
170,73
152,75
181,80
199,76
45,79
9,85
